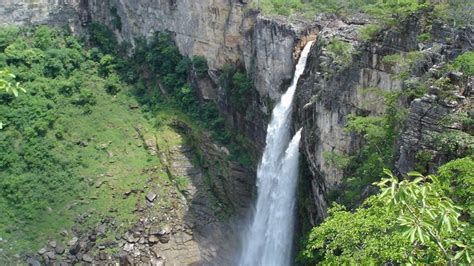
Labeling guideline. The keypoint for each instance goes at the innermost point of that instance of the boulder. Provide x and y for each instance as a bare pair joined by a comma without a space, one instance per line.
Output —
103,255
52,243
128,247
33,262
72,242
153,239
74,250
87,258
151,197
101,229
59,249
42,250
131,237
51,255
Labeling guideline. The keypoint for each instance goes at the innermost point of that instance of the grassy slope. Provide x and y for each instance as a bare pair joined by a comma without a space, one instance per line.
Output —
96,175
108,130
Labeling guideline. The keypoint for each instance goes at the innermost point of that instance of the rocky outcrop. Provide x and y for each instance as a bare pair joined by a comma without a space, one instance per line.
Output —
269,53
431,117
329,91
209,28
72,13
222,31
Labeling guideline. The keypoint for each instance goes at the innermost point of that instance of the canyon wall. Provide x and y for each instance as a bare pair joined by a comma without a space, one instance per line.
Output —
329,92
52,12
224,33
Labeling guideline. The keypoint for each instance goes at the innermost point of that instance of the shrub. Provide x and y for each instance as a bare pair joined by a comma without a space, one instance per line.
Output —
112,84
425,37
102,37
356,238
465,63
200,65
85,97
368,32
8,35
339,161
457,178
107,65
43,38
340,52
67,87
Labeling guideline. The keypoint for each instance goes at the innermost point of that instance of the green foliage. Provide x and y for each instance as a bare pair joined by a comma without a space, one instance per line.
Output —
406,60
380,134
367,236
238,86
281,7
454,142
107,65
368,32
8,35
8,84
182,182
425,37
457,179
465,63
200,65
162,56
423,158
339,161
50,167
384,10
340,51
412,221
390,11
428,218
43,37
100,36
112,84
456,13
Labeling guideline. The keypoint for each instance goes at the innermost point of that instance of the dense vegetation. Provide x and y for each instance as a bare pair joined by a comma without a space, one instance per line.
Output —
70,109
418,218
427,220
455,12
423,218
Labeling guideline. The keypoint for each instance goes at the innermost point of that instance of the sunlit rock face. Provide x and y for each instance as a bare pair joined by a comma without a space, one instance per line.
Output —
51,12
220,30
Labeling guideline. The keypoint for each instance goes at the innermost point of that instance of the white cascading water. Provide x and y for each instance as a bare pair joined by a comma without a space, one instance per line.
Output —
268,242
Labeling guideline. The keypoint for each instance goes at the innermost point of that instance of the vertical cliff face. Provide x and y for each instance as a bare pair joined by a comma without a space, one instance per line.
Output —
330,91
222,32
210,28
270,51
326,96
219,30
51,12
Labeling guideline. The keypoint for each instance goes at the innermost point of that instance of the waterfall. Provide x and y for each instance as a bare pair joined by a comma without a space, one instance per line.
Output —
268,242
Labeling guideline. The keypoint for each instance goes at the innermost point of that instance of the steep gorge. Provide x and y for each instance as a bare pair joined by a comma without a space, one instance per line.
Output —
226,32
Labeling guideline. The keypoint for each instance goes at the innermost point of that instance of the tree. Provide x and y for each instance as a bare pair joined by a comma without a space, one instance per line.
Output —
8,84
415,221
428,217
